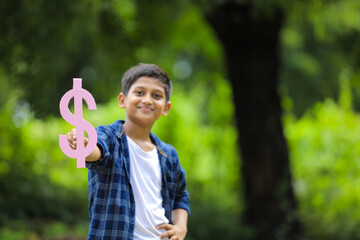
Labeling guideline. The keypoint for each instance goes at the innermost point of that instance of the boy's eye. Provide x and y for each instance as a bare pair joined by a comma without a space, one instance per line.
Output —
157,96
139,93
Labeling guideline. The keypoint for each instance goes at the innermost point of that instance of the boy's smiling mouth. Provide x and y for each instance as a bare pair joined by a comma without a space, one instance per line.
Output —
146,109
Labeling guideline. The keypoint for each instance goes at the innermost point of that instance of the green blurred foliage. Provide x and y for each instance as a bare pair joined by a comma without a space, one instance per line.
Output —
325,148
319,40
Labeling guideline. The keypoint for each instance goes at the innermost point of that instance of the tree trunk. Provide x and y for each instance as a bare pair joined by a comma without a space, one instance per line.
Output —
251,44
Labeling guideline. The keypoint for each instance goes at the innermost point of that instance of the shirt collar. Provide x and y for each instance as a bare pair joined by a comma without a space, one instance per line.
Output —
119,131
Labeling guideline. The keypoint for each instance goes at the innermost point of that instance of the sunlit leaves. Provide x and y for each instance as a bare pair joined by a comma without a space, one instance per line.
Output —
325,145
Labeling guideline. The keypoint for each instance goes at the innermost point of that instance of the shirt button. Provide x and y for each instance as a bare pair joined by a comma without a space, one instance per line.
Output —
132,210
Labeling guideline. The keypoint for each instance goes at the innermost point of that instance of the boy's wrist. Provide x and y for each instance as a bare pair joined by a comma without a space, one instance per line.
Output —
181,230
181,227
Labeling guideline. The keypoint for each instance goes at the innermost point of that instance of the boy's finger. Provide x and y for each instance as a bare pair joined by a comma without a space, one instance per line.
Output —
69,137
169,233
164,226
73,133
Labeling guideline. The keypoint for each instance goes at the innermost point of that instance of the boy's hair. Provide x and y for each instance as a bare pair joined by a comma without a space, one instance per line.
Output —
146,70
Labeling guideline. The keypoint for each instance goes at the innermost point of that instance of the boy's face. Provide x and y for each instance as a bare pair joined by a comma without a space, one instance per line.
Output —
145,101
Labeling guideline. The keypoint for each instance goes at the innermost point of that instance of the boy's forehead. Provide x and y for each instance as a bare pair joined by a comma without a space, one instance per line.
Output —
146,82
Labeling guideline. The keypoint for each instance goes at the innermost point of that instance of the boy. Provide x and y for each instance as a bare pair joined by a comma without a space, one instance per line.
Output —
137,188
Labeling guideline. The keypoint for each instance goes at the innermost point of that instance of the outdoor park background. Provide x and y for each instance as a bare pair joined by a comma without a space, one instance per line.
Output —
44,44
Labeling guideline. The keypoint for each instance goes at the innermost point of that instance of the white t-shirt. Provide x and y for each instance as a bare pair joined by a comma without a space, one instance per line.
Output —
145,179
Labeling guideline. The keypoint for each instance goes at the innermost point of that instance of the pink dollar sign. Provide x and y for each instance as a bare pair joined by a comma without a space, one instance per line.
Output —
80,124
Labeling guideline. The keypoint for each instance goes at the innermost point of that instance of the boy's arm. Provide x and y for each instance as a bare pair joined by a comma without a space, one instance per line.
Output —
94,156
180,217
179,228
96,153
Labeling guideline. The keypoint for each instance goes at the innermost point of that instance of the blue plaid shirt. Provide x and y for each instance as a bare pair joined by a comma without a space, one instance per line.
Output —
111,200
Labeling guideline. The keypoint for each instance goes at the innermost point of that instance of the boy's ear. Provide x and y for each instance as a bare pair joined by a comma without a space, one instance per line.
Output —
166,109
122,100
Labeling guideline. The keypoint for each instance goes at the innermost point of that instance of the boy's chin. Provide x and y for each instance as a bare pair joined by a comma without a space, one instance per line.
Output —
145,119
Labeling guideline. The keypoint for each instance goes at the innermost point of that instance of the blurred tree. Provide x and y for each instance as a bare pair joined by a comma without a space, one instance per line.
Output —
250,40
250,32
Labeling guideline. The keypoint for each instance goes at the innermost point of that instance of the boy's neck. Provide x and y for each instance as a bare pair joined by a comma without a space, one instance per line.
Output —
137,132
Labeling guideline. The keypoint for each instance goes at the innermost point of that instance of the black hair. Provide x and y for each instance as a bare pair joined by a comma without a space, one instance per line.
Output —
146,70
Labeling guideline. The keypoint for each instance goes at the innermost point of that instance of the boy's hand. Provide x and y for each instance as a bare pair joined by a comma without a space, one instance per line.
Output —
71,137
173,232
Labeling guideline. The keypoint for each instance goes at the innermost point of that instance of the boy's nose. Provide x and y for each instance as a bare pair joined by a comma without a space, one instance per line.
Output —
147,99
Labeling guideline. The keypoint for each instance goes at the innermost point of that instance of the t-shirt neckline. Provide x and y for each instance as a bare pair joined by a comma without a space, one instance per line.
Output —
140,150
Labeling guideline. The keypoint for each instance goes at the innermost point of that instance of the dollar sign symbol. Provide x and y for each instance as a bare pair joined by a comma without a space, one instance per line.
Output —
81,125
